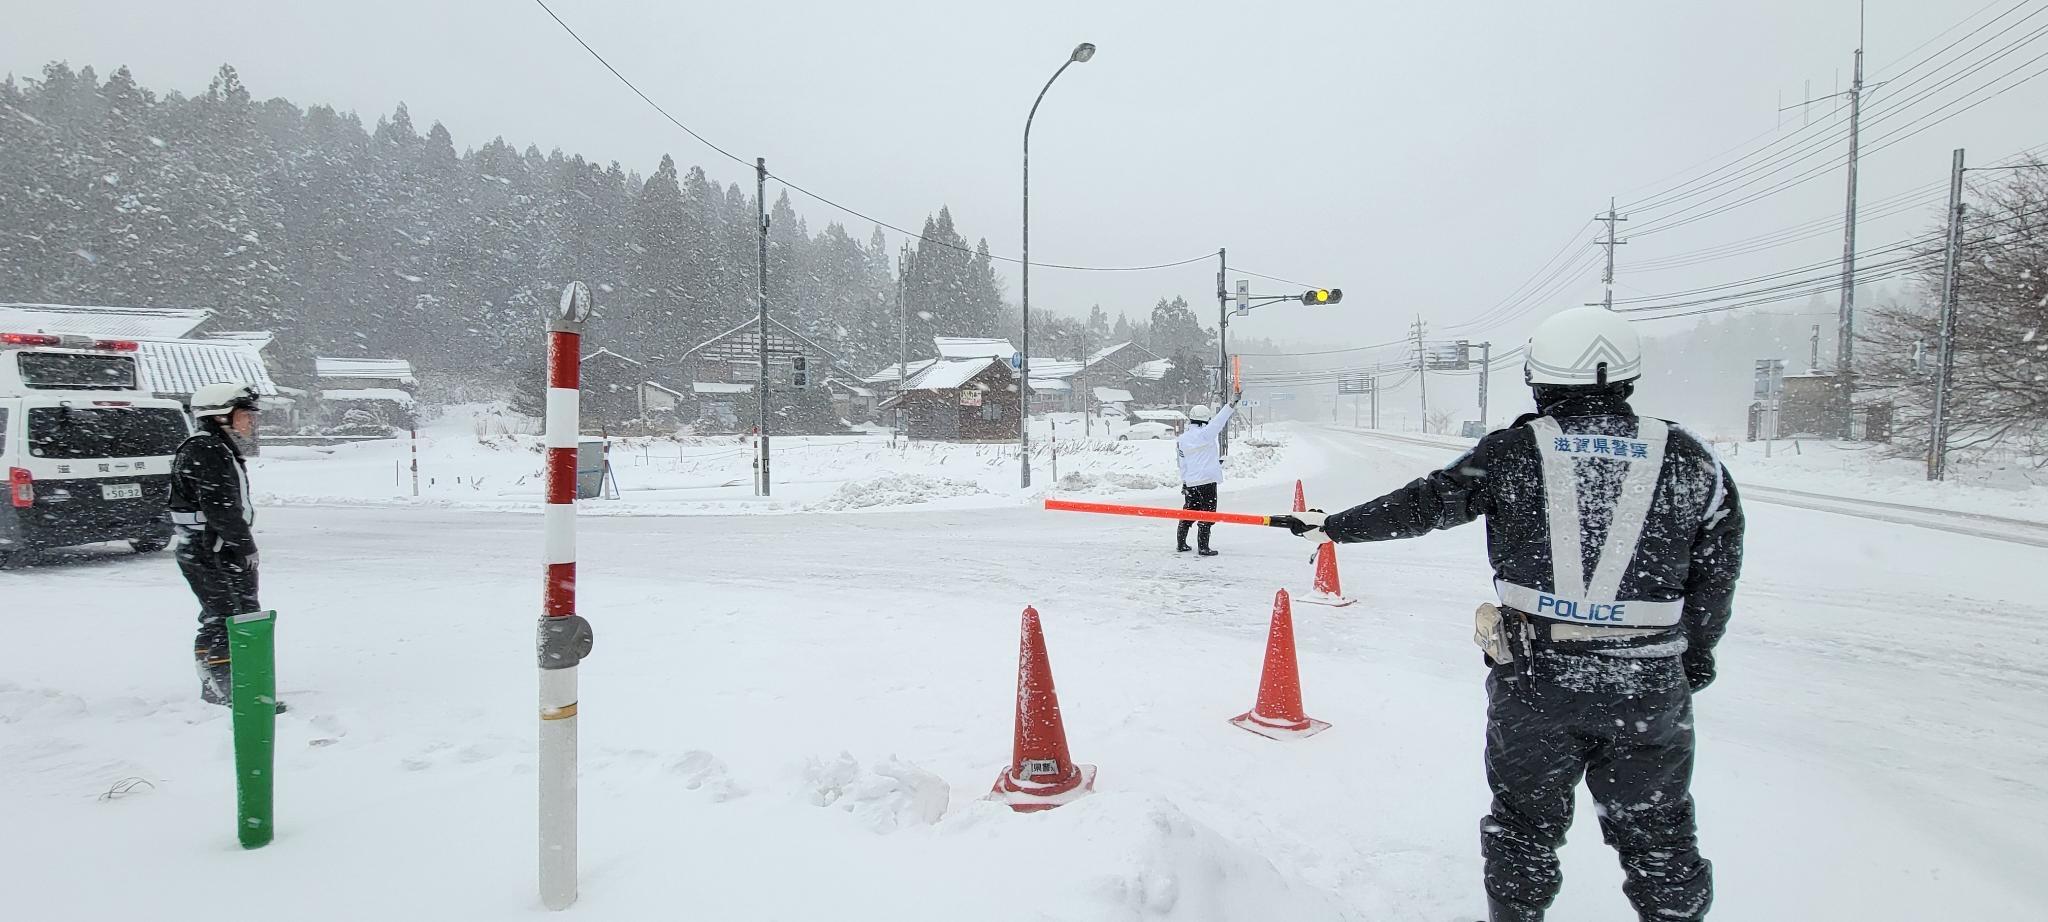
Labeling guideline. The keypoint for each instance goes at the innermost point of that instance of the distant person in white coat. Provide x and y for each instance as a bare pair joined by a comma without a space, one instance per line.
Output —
1201,469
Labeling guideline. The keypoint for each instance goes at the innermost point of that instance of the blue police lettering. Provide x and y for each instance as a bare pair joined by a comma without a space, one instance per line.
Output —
1568,609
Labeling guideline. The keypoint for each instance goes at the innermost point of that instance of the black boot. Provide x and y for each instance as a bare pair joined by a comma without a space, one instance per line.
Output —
1207,552
216,679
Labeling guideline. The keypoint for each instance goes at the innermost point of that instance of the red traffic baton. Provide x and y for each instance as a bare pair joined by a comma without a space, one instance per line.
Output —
1166,512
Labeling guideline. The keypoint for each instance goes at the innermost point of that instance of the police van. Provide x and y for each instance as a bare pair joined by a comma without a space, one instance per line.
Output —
86,450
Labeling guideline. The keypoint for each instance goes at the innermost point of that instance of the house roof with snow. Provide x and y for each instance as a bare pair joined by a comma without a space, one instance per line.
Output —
888,375
1160,416
963,347
1055,368
672,392
260,338
850,387
945,376
91,320
398,370
368,394
720,387
178,367
1097,358
1112,395
1050,385
1153,370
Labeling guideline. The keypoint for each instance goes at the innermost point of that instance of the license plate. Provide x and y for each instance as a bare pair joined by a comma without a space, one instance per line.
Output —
120,491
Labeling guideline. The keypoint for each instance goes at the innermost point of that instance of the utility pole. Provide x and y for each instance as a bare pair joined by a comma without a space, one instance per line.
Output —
761,297
1222,348
1422,370
1485,372
1607,277
1375,401
902,338
1845,349
1937,444
1813,351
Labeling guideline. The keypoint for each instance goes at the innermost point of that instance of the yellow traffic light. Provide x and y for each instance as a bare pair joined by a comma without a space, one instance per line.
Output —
1322,296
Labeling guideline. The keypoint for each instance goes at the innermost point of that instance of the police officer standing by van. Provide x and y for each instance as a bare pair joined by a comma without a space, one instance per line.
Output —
211,511
1615,541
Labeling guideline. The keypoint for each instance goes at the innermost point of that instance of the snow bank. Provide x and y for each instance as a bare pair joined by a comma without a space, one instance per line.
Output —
894,490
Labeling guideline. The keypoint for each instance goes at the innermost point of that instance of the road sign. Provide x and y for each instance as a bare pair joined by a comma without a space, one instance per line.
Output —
1355,384
1016,361
1770,379
1244,294
1455,356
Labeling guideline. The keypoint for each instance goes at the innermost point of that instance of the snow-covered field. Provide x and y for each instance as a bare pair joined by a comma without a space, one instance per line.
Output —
474,458
793,717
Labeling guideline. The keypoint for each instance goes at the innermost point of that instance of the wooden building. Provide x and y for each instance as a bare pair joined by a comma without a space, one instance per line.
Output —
971,400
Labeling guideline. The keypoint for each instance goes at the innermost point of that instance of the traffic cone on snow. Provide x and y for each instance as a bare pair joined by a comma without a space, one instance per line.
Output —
1328,589
1278,713
1300,500
1041,775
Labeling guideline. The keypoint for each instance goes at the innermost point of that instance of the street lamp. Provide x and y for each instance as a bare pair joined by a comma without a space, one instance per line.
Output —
1082,53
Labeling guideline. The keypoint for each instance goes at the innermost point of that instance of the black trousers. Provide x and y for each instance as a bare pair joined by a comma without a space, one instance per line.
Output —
1202,498
225,583
1626,725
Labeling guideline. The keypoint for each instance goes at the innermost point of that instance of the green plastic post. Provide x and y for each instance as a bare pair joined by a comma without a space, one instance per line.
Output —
252,658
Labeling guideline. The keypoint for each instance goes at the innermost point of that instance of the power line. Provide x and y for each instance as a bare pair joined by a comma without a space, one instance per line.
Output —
785,181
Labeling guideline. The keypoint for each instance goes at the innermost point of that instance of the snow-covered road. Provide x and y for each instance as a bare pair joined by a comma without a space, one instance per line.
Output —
1876,749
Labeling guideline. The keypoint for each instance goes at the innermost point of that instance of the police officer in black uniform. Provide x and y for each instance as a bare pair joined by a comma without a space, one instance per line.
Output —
211,511
1615,541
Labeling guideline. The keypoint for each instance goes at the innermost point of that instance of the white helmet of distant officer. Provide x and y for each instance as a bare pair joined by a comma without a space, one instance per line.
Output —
1583,347
233,406
1201,413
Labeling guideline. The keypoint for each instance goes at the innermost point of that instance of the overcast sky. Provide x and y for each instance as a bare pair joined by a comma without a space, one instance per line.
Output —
1426,157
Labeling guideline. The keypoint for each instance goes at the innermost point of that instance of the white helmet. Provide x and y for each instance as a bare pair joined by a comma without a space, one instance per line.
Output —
222,399
1201,413
1584,346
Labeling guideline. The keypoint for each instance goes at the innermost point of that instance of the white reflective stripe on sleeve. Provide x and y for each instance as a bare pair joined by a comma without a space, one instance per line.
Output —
559,521
1631,511
562,421
1561,497
1606,613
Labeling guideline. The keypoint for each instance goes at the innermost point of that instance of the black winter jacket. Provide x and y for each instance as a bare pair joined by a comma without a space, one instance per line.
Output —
209,476
1691,545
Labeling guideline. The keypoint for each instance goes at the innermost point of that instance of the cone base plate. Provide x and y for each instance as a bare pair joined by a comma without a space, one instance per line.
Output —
1009,792
1255,724
1323,598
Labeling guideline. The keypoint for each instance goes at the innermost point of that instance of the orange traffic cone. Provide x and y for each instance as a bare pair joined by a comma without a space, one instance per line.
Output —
1328,589
1278,713
1300,501
1041,775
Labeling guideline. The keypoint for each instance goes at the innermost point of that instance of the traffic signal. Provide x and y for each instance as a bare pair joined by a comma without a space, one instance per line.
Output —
802,376
1322,296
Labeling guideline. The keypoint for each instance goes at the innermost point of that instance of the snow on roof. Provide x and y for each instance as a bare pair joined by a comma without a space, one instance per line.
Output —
1161,416
181,366
381,394
888,375
672,392
1112,350
1153,370
1050,384
1055,368
945,376
1112,395
962,347
851,388
720,387
261,338
398,370
124,322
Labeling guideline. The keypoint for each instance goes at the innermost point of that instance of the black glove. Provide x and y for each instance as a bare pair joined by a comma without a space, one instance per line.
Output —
1699,668
1303,524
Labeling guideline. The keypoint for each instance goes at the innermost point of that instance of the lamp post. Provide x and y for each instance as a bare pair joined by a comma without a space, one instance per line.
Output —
1082,53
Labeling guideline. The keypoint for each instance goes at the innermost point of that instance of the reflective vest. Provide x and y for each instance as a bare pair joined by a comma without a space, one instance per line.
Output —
1574,596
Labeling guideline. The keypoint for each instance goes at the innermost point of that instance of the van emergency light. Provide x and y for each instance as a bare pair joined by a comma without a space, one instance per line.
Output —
68,341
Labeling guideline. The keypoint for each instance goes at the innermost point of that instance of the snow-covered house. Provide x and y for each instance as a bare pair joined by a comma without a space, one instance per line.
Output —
797,370
967,400
381,388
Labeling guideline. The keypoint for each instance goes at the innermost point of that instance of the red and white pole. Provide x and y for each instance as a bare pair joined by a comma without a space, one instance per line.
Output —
564,637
